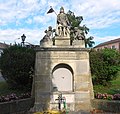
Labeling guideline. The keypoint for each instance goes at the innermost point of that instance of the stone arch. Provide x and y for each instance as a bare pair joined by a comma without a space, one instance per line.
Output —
62,78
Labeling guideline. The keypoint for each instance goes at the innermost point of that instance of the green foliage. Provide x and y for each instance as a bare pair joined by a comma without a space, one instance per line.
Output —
112,88
105,65
89,41
5,89
75,21
17,65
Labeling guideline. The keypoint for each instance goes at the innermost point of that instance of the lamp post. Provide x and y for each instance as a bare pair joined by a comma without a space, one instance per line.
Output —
23,39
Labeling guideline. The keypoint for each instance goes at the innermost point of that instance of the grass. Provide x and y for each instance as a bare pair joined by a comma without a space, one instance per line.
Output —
113,88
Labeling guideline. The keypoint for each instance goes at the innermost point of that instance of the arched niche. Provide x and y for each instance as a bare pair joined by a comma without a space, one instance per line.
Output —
62,78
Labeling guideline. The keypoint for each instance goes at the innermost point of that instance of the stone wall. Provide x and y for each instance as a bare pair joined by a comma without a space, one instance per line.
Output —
105,105
17,107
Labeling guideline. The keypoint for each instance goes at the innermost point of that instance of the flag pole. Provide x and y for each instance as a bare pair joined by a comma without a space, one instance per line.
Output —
55,12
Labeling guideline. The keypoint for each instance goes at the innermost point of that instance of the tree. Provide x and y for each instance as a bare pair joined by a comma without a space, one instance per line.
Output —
17,66
89,41
105,65
75,21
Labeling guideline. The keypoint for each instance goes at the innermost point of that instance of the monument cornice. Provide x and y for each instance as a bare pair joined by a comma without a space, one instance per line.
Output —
62,49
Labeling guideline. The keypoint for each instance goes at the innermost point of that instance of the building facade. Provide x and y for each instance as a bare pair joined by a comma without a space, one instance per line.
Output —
112,44
2,46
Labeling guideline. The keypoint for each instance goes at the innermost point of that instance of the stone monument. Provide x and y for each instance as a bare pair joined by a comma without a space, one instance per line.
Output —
62,70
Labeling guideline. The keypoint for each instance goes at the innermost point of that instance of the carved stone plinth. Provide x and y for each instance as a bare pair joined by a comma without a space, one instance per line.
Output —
48,43
62,41
78,43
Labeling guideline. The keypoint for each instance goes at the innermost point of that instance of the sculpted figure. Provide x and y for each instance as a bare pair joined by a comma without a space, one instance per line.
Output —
62,18
63,23
48,34
78,34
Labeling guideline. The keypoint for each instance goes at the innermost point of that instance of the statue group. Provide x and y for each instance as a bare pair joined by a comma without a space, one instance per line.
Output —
63,28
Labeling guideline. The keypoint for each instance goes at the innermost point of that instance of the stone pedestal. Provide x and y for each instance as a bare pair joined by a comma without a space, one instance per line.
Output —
62,41
78,43
48,43
75,62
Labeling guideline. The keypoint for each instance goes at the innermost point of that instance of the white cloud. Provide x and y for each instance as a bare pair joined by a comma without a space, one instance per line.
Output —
17,9
97,14
43,2
102,12
29,21
11,36
98,39
40,19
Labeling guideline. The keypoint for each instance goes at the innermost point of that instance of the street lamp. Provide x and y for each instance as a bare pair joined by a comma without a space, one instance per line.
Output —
23,38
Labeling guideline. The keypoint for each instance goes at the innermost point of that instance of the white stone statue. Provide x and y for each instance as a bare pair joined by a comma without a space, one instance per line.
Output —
62,24
47,39
78,34
48,34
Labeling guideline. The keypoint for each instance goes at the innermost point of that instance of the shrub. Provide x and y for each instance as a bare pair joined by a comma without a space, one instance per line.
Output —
105,65
17,66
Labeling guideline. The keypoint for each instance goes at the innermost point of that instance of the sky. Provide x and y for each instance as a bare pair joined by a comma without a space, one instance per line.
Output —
30,17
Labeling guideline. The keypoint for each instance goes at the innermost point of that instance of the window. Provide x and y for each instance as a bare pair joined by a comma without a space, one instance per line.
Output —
113,47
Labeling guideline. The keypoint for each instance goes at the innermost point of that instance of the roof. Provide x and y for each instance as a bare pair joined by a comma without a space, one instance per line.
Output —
3,45
108,42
